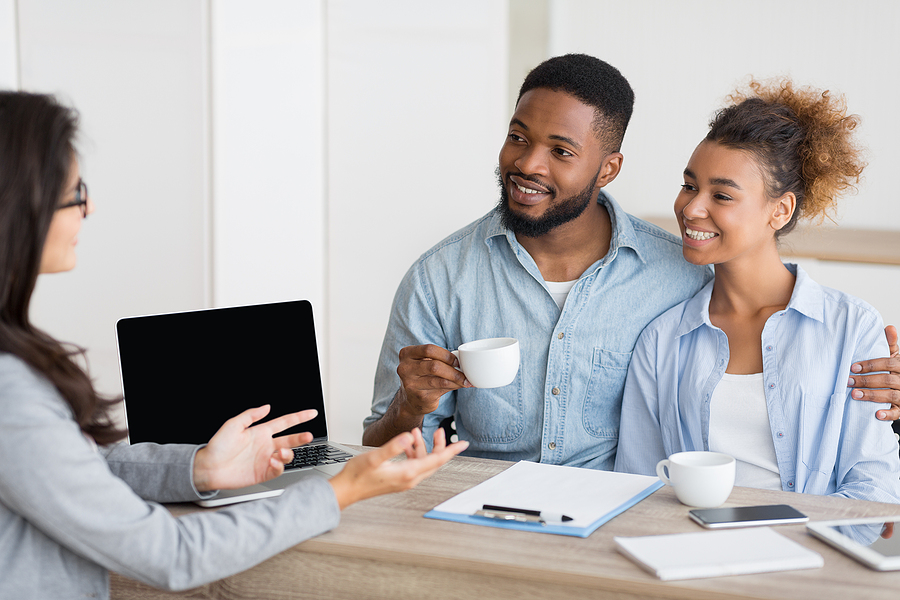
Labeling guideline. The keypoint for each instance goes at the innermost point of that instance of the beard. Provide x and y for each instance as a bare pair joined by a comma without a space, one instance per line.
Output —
567,209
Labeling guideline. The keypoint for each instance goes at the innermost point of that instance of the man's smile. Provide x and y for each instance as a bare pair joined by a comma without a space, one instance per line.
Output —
527,192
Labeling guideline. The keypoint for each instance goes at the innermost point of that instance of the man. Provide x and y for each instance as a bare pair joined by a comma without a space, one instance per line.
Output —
558,265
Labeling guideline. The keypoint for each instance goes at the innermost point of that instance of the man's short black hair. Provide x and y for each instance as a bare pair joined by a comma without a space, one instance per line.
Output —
594,82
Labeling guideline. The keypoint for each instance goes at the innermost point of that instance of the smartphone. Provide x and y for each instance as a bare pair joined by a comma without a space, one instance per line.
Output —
747,516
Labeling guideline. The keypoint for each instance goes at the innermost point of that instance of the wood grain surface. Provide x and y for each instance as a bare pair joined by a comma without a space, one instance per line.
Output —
384,548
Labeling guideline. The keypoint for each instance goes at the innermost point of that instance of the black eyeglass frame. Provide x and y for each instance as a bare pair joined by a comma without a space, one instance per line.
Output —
81,199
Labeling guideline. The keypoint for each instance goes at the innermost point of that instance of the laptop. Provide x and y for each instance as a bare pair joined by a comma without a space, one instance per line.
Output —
184,374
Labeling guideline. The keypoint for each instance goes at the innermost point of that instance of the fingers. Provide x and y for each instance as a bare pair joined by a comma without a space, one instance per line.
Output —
276,467
891,364
250,416
371,474
883,387
420,468
429,352
287,421
888,414
429,367
418,447
890,332
878,380
885,396
440,440
293,440
392,448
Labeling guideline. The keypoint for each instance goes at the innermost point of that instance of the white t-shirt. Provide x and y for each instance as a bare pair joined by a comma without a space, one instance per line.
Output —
739,427
560,290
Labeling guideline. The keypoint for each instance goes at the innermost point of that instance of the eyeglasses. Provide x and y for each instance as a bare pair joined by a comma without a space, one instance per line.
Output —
81,199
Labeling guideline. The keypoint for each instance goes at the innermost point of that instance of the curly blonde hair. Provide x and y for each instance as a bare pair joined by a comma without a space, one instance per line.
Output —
803,139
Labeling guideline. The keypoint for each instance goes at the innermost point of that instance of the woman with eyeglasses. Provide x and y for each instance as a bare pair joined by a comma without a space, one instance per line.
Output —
755,365
74,503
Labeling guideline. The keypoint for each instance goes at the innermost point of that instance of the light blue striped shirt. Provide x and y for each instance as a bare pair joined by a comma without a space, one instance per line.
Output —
825,442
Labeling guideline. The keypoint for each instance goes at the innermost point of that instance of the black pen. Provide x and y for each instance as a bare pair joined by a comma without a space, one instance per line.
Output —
543,515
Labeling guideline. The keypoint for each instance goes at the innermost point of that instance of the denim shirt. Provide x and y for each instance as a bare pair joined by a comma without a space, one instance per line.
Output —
825,442
563,406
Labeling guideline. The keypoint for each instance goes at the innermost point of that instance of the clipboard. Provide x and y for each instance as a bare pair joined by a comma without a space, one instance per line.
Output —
590,497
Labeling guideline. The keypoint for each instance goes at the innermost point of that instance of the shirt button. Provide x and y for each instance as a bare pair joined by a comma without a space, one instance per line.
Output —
771,386
552,445
780,434
769,348
555,391
560,335
790,484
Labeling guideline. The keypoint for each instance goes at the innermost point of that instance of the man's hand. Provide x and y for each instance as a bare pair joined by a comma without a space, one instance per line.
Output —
242,454
426,373
886,376
373,473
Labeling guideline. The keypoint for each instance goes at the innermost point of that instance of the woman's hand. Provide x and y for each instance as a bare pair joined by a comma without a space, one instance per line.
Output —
374,473
242,454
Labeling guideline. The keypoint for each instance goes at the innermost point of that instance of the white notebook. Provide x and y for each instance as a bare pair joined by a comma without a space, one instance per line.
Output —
717,553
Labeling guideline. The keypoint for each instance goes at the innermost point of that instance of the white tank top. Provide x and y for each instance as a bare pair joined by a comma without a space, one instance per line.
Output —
739,427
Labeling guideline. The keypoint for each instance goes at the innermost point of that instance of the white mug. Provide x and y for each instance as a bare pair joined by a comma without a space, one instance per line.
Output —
489,363
701,479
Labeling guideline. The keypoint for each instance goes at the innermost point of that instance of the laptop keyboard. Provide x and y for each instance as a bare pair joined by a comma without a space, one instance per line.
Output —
321,454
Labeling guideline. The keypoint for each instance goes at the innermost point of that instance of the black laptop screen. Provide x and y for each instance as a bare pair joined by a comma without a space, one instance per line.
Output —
185,374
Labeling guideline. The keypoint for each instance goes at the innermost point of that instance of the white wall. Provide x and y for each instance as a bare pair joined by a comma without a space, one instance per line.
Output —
268,151
9,48
136,73
416,118
682,59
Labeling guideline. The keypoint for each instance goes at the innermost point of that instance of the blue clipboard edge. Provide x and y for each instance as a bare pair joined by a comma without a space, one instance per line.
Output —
581,532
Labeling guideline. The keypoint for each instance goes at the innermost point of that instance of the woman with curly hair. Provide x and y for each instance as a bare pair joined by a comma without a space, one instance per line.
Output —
75,504
755,365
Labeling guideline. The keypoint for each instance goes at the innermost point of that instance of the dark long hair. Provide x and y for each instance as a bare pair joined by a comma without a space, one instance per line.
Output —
36,154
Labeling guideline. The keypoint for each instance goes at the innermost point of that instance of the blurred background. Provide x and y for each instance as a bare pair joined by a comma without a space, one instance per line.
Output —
243,152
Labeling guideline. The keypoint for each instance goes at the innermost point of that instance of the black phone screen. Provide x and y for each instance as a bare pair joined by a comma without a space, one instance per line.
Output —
747,515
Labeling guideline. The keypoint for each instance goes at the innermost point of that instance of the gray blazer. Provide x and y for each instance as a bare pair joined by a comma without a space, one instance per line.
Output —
69,513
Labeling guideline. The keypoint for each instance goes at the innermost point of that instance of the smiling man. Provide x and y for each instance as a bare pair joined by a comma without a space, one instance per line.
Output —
557,264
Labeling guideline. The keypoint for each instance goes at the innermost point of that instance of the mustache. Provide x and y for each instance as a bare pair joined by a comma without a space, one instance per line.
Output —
501,180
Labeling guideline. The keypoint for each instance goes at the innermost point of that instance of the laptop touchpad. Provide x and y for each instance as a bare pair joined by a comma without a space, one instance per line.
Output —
291,477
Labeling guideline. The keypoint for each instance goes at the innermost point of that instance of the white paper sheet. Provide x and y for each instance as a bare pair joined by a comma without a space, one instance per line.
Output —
586,495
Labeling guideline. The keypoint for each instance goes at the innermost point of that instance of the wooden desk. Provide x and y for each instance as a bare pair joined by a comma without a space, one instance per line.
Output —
383,548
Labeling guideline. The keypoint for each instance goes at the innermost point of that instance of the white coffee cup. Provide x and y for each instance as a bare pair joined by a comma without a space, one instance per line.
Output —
701,479
489,363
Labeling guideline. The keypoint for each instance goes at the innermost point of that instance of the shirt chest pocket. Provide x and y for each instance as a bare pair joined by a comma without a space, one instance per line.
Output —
603,399
820,432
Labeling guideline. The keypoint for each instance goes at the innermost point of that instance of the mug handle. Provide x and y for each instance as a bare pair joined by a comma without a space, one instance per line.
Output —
661,468
456,354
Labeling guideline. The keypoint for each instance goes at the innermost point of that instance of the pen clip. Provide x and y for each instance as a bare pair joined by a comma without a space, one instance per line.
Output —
510,514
